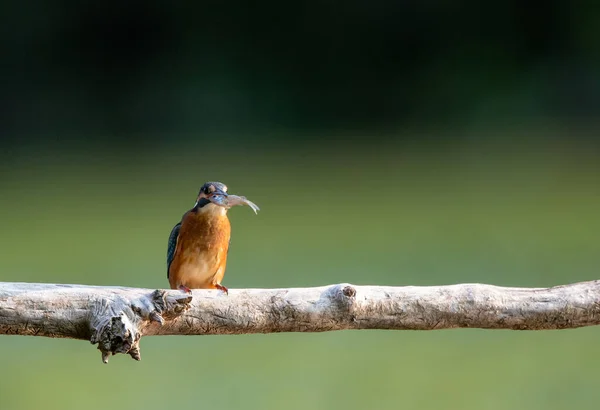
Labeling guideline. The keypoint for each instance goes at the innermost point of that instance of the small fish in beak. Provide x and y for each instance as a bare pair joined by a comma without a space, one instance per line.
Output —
233,200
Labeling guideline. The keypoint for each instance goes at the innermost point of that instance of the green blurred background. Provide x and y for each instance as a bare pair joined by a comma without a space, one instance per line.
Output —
387,143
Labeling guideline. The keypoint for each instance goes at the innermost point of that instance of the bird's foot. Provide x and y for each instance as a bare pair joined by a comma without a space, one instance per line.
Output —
185,289
222,288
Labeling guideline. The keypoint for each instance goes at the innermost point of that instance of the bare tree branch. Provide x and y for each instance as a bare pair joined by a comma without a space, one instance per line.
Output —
115,317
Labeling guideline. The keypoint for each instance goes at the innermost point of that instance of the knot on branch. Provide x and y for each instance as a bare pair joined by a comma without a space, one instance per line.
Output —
343,294
161,305
116,322
349,291
342,298
117,335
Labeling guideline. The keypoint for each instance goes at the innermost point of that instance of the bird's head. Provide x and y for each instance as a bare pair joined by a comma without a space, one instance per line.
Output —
212,193
215,193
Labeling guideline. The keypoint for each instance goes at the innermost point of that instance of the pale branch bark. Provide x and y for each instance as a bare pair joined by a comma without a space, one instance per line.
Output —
115,317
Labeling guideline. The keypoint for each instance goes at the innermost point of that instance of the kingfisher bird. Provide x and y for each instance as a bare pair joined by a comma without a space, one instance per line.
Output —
198,245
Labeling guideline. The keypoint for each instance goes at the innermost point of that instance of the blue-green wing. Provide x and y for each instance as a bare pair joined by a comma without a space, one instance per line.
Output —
172,246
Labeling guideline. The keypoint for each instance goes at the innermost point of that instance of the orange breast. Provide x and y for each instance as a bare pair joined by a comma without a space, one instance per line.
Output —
201,253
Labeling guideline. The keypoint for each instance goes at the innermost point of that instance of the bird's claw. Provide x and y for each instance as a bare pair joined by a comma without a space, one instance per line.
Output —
185,289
